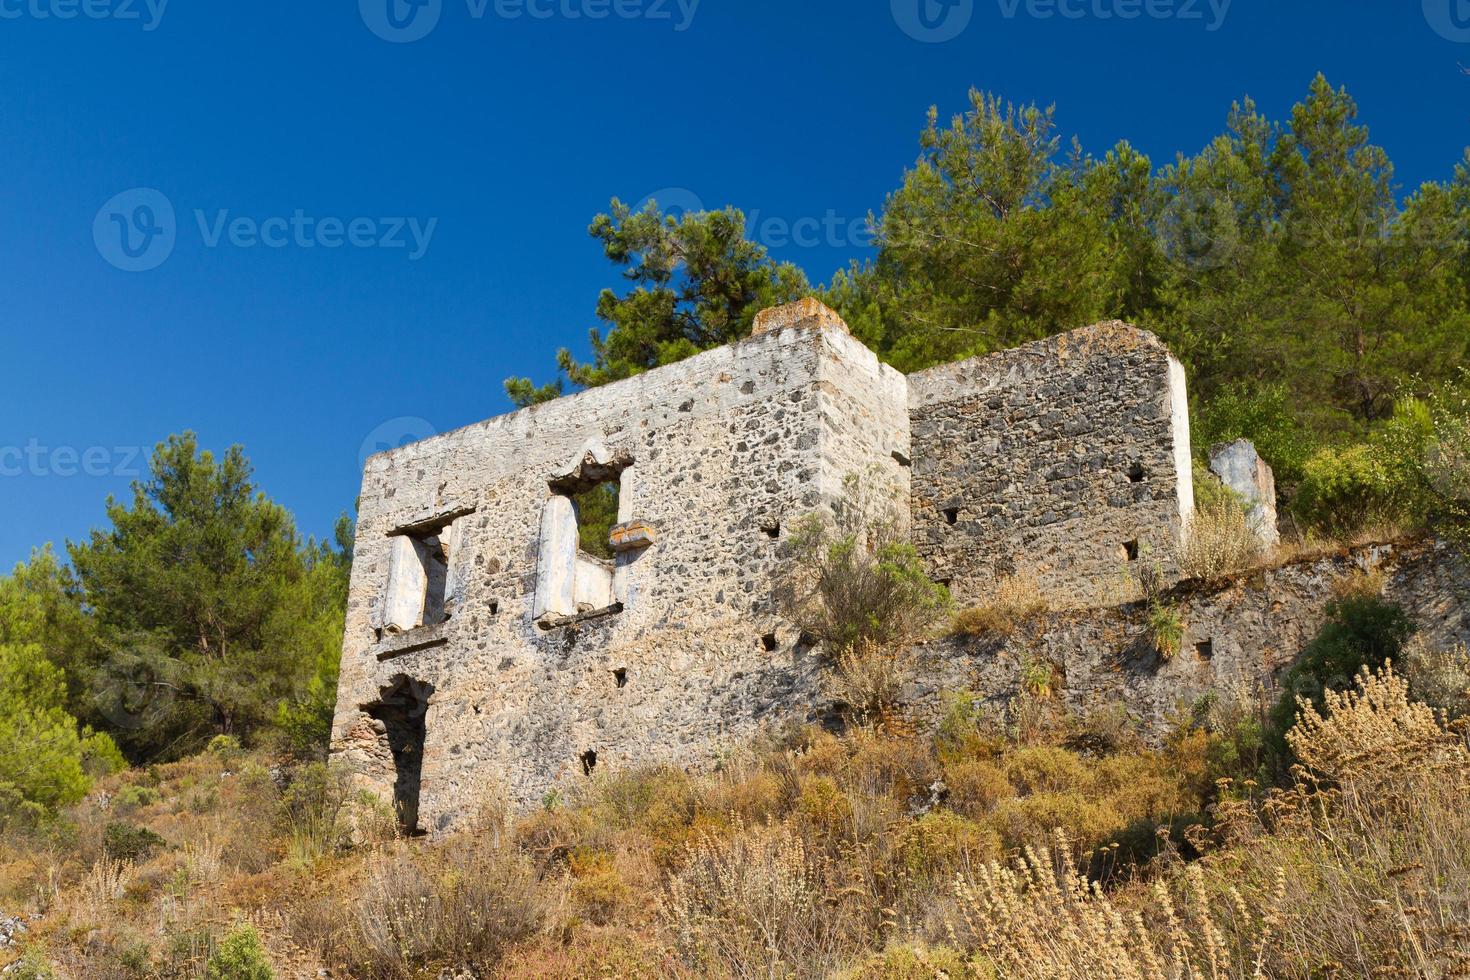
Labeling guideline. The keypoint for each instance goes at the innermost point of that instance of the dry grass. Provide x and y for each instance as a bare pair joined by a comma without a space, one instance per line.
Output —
1439,678
460,906
1039,919
761,903
1014,602
1361,869
1017,843
1374,841
869,679
1360,583
1220,541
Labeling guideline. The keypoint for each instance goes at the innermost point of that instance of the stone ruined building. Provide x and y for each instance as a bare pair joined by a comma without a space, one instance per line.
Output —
486,653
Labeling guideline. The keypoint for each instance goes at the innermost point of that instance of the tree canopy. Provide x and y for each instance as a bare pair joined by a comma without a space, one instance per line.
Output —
204,609
1279,257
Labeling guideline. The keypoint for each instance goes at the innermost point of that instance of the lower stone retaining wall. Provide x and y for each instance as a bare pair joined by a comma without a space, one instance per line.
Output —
1240,635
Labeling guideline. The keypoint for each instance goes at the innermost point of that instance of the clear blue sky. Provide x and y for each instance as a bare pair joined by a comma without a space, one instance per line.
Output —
510,131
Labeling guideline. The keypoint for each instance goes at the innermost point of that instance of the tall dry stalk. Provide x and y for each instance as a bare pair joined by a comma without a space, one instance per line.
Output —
102,888
758,905
1039,919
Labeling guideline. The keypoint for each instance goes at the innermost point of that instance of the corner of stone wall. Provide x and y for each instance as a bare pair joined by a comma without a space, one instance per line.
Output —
1183,450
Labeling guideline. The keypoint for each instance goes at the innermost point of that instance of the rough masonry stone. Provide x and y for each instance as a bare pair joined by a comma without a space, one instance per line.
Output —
1068,458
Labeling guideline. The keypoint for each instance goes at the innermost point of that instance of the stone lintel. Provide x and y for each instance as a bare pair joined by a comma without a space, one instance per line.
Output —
631,536
396,645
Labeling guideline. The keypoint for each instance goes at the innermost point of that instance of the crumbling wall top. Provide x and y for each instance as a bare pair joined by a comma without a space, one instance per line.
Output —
1022,366
804,314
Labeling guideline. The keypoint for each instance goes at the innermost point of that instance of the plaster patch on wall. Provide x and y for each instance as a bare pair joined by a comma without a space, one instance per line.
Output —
1183,454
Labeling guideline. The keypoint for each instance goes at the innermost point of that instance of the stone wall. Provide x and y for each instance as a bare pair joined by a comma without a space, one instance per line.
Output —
719,455
1241,634
487,653
1067,459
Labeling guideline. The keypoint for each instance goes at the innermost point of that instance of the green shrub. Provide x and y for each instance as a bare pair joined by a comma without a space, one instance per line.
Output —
1361,631
1166,629
855,577
240,957
965,728
1345,491
1039,678
132,798
1214,741
136,958
125,842
1431,435
30,967
1413,473
20,814
44,756
226,748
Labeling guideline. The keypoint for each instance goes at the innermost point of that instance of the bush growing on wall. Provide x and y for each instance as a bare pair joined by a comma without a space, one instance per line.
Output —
1221,538
856,578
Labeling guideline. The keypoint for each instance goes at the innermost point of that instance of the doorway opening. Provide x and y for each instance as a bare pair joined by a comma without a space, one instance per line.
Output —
403,710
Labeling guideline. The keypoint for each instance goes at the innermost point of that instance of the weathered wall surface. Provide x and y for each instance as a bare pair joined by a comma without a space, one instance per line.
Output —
1066,459
726,448
1241,634
486,654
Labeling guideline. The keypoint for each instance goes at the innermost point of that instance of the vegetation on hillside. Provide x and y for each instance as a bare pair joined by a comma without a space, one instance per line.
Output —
1023,842
166,686
199,612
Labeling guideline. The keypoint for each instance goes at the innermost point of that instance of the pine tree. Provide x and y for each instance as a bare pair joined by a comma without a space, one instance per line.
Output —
208,610
696,282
